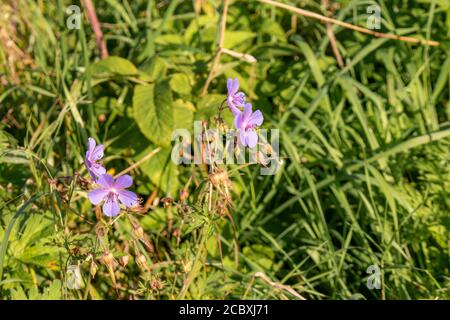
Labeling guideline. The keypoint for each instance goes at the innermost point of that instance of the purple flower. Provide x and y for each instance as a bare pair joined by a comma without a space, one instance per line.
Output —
235,99
111,192
246,122
93,154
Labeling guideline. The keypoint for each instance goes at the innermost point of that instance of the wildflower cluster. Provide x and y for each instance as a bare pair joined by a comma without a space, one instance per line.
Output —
112,192
245,120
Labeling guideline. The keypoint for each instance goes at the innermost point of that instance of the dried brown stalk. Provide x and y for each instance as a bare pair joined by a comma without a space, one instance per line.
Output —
325,19
95,24
331,36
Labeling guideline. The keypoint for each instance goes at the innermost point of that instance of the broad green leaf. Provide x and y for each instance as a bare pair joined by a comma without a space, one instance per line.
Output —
154,112
180,83
234,38
208,106
155,68
273,28
162,171
183,114
113,66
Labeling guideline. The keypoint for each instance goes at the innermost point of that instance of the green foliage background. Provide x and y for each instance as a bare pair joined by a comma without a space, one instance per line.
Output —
366,164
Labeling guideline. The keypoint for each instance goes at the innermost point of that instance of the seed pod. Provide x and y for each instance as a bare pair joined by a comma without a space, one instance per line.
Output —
93,269
141,261
108,259
124,260
261,158
167,202
221,177
268,149
138,232
98,213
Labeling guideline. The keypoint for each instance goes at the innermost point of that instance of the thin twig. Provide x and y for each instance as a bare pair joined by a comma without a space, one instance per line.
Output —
331,36
278,285
244,56
95,24
320,17
223,23
148,156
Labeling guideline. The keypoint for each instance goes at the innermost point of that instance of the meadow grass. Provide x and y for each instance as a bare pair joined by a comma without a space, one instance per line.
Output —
365,177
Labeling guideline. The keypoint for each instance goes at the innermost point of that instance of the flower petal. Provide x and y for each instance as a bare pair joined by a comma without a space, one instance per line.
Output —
97,195
128,198
229,85
232,105
96,170
91,146
106,180
243,137
239,98
123,182
238,120
256,119
92,173
111,207
251,139
235,86
247,112
97,154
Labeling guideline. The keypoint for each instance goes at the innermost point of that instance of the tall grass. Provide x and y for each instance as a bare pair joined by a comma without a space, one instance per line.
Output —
365,178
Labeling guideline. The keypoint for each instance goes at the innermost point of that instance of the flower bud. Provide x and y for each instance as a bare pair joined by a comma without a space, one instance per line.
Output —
184,195
155,284
187,266
176,232
102,118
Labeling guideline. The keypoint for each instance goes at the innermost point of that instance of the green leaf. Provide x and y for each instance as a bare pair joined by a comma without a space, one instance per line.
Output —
273,28
208,106
155,68
260,254
115,66
180,83
234,38
153,111
162,171
183,114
